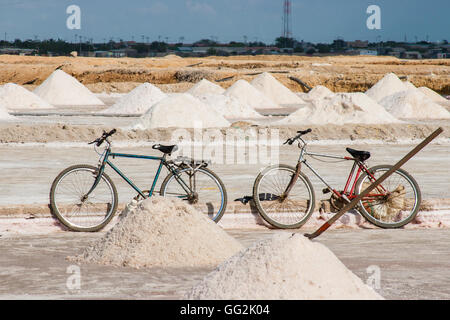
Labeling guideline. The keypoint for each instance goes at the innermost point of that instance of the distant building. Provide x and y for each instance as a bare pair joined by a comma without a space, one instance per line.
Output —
358,44
411,55
18,51
366,52
122,53
103,54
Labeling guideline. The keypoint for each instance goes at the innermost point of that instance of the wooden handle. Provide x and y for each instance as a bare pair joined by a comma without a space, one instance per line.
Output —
355,201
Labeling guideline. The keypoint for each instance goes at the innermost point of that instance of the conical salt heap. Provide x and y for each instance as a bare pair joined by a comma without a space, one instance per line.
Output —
284,267
413,104
205,87
13,96
181,110
339,109
4,115
229,107
138,101
275,90
318,93
433,95
62,89
387,86
248,94
162,232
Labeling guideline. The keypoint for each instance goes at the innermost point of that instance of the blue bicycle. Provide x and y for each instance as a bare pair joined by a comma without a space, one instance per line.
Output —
84,198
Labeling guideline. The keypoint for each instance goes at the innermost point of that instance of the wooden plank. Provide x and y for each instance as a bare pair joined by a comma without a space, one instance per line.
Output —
355,201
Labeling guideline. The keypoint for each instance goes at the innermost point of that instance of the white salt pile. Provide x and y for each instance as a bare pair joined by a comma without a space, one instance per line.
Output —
13,96
181,110
339,109
205,87
4,115
318,93
62,89
229,107
248,94
282,268
387,86
275,90
413,104
162,232
433,95
409,85
138,101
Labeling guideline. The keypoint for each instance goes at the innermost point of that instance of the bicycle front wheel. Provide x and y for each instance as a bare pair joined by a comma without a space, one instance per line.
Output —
392,204
73,207
203,189
288,213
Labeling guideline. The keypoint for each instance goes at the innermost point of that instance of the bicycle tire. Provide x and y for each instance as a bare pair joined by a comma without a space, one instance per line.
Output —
260,203
58,203
221,207
373,204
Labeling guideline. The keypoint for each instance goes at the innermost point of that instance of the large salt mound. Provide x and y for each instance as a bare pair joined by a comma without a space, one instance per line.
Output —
285,267
13,96
138,101
413,104
229,107
318,93
339,109
409,85
162,232
62,89
205,87
433,95
181,110
248,94
275,90
387,86
4,115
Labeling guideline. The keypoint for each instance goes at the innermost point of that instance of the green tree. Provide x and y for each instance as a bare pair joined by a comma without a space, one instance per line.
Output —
283,42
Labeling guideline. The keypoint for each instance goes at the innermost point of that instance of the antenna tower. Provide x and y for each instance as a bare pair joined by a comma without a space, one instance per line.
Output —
287,19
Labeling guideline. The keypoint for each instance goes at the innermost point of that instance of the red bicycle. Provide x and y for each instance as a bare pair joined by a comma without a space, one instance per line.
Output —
285,198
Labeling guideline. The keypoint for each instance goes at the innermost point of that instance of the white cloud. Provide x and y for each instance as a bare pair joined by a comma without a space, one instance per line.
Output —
156,8
200,7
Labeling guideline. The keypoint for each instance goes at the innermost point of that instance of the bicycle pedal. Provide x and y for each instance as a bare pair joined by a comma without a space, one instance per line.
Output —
326,190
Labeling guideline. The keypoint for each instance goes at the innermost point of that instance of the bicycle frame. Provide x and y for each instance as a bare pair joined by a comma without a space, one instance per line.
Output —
358,166
105,161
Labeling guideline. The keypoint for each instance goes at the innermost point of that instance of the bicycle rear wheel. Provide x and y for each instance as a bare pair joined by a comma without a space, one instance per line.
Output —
208,195
291,212
75,209
392,204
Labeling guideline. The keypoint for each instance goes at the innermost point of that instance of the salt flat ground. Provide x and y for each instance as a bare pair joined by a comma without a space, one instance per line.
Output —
412,264
27,170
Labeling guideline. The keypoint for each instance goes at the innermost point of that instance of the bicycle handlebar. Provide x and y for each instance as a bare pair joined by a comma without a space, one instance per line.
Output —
290,141
98,142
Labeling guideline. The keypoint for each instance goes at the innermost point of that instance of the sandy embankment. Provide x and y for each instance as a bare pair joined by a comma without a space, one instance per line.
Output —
340,73
44,133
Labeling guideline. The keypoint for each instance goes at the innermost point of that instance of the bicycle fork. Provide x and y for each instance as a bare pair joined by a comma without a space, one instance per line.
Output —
291,184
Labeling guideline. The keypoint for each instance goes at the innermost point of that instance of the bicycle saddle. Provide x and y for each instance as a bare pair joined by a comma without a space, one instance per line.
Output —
165,149
360,155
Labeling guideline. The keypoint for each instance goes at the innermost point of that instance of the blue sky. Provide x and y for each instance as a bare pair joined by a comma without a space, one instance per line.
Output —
314,20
